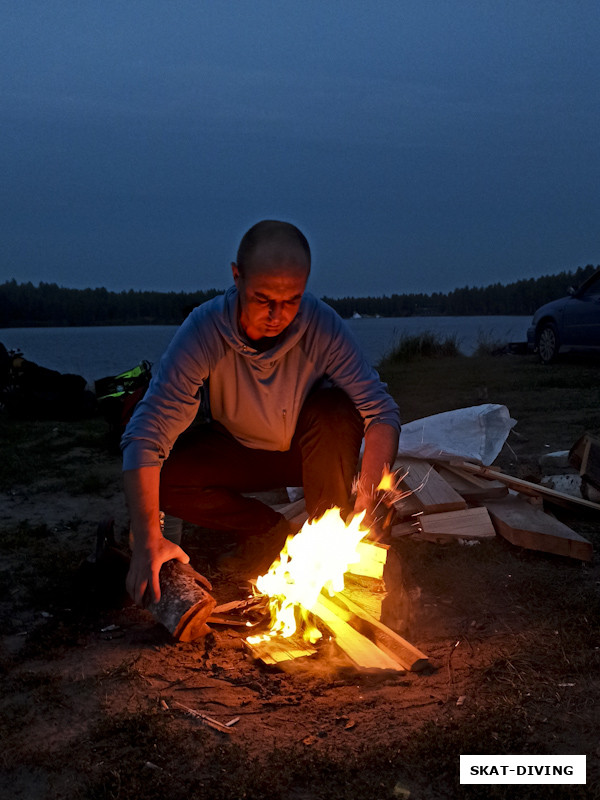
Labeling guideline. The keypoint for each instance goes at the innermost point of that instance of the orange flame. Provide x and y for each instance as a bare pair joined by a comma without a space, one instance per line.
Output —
313,560
388,481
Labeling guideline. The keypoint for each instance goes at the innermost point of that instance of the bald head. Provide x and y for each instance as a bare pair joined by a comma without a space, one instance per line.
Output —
272,246
273,263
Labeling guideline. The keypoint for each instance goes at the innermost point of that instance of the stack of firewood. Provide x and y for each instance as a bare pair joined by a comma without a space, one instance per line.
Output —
459,500
355,619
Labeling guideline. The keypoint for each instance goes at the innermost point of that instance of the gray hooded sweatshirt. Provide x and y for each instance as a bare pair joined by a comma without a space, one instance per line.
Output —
257,395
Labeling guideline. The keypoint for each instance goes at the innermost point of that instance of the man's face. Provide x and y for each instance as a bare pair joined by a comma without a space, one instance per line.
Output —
270,295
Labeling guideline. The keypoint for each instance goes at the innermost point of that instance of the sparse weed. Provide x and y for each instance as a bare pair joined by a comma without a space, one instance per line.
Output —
425,345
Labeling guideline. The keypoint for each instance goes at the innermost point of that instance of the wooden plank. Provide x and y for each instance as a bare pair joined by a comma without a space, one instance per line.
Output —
406,654
577,451
369,593
375,552
364,654
407,507
373,557
431,491
277,649
469,523
396,604
473,488
590,463
526,487
407,528
528,526
386,600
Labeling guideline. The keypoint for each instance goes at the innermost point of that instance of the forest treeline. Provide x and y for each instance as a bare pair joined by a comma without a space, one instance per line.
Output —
26,305
518,298
23,304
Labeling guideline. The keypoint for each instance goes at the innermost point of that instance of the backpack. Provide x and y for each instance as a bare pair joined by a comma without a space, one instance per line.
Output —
118,395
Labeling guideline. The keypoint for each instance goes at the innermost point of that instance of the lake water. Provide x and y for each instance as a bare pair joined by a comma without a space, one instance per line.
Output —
98,352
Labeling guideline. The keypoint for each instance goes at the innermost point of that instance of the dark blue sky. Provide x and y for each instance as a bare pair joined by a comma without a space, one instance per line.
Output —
420,145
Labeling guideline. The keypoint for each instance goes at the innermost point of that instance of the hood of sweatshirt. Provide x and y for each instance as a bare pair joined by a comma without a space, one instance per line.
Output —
229,327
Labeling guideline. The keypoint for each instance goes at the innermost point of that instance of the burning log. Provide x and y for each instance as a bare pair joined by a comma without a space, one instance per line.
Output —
369,644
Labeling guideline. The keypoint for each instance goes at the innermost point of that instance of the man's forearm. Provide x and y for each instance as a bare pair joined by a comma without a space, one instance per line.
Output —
142,495
150,549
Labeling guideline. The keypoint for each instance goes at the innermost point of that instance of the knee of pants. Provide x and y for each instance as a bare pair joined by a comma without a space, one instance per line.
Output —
332,410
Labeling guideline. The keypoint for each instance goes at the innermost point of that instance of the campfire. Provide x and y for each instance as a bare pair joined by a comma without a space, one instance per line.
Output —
311,562
330,576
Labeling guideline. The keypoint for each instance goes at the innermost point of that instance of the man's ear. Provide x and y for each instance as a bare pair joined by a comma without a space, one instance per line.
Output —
236,273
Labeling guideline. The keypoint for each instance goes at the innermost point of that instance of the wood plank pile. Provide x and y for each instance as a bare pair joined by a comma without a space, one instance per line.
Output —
459,500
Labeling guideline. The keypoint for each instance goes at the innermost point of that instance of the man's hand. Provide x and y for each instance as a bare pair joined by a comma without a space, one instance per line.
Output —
376,517
150,549
146,560
381,446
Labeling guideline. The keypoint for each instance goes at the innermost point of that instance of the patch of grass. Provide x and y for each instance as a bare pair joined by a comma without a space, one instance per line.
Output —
423,345
553,405
44,577
487,346
93,482
203,766
35,450
152,755
26,694
144,754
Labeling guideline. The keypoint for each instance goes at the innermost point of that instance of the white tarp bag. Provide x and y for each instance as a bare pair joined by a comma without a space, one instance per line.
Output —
476,433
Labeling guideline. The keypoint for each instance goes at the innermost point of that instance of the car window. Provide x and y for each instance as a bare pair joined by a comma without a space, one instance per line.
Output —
592,292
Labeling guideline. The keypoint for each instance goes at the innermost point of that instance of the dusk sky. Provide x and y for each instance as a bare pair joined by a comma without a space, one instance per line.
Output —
421,145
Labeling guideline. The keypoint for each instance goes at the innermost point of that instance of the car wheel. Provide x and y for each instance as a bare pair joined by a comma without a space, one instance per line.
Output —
548,342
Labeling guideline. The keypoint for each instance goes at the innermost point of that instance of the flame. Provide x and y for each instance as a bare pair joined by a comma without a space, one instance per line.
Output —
388,481
313,560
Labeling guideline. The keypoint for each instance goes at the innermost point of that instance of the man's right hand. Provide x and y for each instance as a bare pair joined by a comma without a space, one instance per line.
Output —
146,560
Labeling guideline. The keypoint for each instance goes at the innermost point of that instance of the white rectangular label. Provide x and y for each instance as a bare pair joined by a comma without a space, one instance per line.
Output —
522,769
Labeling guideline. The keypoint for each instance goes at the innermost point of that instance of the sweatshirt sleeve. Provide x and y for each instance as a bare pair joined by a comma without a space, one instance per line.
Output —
171,402
348,368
